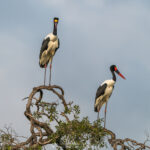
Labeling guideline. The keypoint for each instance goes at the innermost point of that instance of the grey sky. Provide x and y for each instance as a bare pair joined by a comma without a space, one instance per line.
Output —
93,35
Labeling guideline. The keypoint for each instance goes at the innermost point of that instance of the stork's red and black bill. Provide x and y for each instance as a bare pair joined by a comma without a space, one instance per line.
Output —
117,71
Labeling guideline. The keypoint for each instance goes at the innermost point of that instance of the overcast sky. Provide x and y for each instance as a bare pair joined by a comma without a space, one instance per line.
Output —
94,34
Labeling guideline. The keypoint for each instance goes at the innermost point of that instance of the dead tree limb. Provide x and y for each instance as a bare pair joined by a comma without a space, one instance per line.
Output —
50,125
41,131
125,144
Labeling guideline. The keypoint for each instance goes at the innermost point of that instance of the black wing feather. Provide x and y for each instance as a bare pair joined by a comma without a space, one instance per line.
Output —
44,47
100,91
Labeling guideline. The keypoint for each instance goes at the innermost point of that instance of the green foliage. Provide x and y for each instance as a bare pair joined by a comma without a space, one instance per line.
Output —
76,133
6,139
80,133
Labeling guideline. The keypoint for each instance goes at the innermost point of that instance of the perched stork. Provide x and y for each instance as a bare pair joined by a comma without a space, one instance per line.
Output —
105,90
49,47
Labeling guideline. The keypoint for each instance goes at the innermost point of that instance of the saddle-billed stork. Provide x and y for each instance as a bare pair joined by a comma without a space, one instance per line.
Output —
105,90
49,47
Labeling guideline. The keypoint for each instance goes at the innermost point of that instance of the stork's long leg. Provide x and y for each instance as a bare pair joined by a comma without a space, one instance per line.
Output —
98,115
105,115
45,74
50,72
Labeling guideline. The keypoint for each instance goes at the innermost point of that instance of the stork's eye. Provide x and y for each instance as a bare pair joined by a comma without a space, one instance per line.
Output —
56,21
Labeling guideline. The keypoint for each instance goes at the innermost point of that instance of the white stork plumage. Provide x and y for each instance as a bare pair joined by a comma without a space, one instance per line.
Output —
49,47
105,90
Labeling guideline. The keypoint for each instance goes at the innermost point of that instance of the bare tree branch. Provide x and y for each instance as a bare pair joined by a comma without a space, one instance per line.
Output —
42,114
125,144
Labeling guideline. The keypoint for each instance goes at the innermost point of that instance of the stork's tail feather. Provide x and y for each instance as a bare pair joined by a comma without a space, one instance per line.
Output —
42,66
98,106
95,109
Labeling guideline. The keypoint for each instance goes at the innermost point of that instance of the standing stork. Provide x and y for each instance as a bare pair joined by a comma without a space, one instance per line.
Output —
105,90
49,47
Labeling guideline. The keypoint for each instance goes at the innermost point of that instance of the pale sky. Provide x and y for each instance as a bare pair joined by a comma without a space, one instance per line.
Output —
94,34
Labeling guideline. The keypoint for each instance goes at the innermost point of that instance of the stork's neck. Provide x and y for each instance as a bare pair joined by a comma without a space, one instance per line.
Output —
114,76
55,29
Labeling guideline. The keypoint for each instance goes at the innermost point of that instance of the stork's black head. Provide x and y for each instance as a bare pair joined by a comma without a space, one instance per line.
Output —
56,20
55,25
114,68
